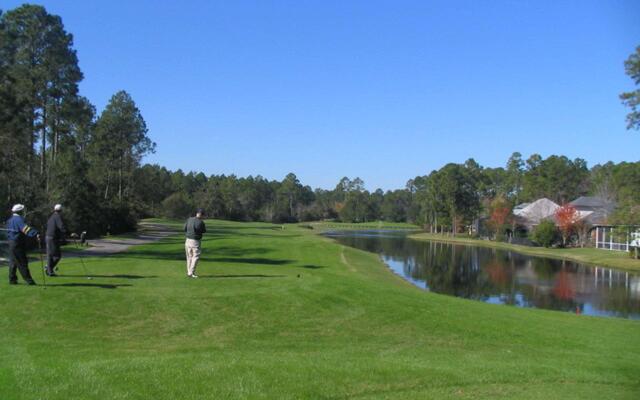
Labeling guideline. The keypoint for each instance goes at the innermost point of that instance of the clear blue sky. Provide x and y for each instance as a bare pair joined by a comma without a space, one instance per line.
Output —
383,90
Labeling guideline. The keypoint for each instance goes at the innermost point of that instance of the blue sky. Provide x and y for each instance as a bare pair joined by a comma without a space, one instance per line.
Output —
382,90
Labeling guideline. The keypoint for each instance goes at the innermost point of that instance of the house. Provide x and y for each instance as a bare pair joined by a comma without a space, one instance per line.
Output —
593,216
529,215
593,213
603,235
596,210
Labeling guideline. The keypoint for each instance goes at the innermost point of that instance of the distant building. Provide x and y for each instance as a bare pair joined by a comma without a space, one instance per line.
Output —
603,235
595,209
529,215
593,213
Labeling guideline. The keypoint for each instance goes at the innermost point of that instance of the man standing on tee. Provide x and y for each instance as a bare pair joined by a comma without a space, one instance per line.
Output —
193,228
56,233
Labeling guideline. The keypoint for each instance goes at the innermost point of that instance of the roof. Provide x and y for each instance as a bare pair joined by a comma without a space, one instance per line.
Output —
591,202
520,206
597,217
535,212
601,208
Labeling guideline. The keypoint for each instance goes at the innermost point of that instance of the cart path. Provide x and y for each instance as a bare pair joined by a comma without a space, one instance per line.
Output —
147,233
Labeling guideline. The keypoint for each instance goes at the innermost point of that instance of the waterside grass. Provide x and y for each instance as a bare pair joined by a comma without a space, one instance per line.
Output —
599,257
287,314
328,226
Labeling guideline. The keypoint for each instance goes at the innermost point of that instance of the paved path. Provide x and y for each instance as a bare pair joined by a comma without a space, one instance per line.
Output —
147,233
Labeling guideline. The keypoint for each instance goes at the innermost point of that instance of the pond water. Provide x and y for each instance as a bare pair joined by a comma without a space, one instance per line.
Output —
503,277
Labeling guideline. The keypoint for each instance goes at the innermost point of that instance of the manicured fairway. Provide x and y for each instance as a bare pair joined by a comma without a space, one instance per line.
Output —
251,328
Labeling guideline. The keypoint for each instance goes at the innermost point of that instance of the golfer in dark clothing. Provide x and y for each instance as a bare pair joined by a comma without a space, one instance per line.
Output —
56,233
193,228
17,233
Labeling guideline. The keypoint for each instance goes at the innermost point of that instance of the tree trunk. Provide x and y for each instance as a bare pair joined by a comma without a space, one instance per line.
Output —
120,180
454,224
56,137
43,145
106,190
31,145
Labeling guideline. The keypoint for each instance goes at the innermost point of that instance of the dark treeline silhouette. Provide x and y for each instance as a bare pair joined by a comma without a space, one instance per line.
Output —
450,198
55,148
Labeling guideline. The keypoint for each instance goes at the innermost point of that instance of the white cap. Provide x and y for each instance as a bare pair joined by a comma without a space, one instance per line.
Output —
57,207
17,208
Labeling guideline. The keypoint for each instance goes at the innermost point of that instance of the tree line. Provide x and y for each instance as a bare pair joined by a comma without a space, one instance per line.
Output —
448,199
56,148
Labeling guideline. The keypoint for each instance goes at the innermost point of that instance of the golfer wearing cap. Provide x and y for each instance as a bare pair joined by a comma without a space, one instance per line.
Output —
17,233
56,233
193,228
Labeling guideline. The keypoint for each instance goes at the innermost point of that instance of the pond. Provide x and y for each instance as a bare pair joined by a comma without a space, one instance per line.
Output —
503,277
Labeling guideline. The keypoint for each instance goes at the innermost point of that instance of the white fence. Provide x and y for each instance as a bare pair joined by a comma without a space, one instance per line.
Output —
616,237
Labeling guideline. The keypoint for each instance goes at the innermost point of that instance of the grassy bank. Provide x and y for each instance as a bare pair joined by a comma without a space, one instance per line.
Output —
603,258
287,314
325,226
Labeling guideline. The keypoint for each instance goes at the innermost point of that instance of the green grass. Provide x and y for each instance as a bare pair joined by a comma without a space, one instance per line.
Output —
324,226
250,328
603,258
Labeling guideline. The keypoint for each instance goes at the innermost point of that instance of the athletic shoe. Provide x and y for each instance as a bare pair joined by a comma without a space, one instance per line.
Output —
194,276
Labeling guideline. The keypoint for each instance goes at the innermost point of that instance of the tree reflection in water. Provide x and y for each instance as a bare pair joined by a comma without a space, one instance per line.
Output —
503,277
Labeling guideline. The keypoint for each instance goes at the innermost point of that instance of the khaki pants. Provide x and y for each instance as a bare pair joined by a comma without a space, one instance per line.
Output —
192,248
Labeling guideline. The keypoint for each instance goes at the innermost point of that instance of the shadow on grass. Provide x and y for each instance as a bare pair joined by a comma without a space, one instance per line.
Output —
235,231
236,227
309,266
111,276
151,241
93,285
233,251
264,261
226,255
241,276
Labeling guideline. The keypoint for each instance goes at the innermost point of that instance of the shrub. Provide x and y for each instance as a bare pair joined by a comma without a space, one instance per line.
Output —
176,205
501,237
545,234
117,218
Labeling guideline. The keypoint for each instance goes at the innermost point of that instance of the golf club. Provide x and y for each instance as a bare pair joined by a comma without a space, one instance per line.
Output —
44,280
84,267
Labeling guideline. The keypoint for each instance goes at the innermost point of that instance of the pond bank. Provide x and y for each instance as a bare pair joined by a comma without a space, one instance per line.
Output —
603,258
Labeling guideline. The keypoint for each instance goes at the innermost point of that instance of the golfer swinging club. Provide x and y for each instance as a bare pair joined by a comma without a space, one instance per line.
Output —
17,233
56,233
193,228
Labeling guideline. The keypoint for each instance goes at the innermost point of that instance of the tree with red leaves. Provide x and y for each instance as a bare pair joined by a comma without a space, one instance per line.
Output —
567,217
500,216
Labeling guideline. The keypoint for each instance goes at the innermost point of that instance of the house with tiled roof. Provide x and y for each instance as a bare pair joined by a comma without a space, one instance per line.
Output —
593,214
599,210
529,215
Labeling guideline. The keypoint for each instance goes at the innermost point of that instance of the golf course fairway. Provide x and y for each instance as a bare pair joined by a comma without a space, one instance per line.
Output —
287,314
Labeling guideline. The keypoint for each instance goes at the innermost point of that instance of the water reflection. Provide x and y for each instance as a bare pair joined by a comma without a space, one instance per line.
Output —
503,277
